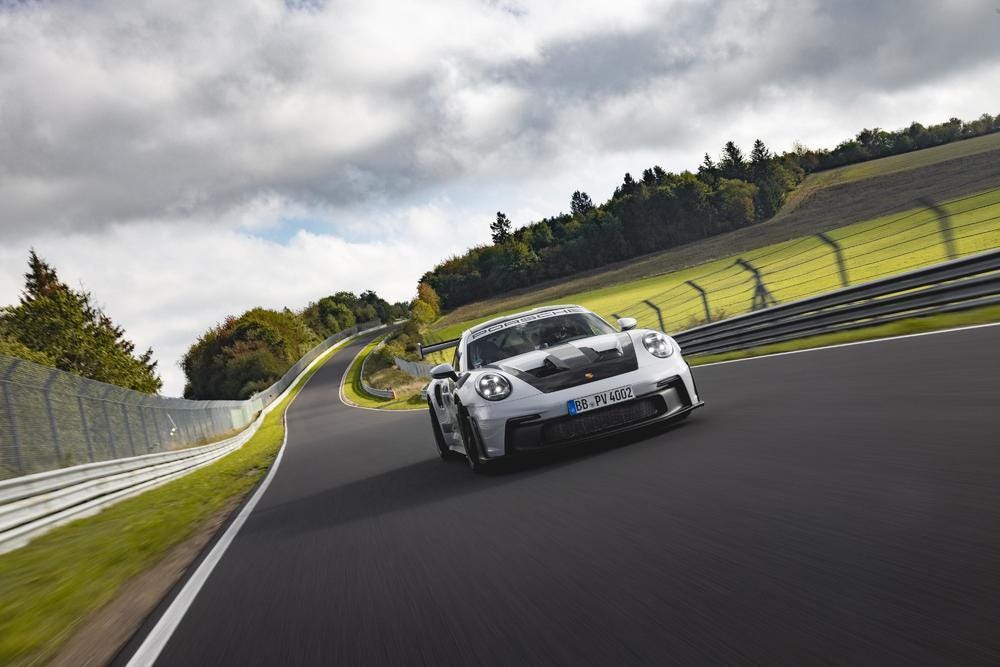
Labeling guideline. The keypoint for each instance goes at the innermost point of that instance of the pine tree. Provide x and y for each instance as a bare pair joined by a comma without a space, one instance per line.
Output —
629,186
65,326
40,280
732,165
760,161
580,203
708,173
500,229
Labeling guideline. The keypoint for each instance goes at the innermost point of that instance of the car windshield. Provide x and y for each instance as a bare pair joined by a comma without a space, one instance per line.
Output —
539,334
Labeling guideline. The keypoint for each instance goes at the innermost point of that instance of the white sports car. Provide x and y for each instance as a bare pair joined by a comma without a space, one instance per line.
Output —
552,377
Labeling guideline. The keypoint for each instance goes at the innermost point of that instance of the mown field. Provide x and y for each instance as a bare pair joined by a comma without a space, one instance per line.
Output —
873,209
894,164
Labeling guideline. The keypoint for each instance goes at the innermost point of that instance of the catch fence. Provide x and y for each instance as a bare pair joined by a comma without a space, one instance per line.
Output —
51,419
823,263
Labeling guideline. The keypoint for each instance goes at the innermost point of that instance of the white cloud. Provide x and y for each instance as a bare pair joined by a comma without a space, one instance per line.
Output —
167,282
186,160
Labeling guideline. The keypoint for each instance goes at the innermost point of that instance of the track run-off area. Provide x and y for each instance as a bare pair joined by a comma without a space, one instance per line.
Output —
840,505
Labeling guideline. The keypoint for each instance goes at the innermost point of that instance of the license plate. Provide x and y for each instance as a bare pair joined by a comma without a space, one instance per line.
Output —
599,400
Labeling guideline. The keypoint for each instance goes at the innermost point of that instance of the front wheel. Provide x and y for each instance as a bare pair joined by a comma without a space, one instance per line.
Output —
473,452
444,451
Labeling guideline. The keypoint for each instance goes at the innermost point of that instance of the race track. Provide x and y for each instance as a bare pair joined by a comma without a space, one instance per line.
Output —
840,505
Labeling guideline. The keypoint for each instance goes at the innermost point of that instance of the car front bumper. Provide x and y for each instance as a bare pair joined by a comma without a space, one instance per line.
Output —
543,423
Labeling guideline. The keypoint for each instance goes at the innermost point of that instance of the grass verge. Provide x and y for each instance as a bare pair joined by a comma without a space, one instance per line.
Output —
50,586
355,393
985,315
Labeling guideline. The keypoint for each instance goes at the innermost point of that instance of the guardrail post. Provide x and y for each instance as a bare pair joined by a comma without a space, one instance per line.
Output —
838,254
53,376
15,436
704,298
659,313
944,225
762,297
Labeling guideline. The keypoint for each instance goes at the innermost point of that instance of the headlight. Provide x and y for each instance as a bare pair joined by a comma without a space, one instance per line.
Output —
657,345
493,387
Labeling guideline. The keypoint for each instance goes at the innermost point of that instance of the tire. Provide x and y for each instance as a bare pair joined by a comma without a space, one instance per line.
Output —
471,442
443,450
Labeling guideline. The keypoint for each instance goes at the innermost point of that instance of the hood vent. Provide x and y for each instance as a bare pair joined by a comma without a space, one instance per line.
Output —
569,365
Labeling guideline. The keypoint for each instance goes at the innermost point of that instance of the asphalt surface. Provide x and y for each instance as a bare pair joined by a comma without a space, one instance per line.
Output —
836,506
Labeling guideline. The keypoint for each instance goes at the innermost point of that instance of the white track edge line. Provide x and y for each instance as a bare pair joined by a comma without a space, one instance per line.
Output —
157,639
857,342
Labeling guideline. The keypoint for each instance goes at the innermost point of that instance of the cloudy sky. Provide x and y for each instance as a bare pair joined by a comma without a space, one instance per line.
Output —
186,160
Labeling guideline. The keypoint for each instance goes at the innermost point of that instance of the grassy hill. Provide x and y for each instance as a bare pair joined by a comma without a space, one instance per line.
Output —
877,210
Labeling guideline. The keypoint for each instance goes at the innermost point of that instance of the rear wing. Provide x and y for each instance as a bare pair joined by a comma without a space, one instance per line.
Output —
435,347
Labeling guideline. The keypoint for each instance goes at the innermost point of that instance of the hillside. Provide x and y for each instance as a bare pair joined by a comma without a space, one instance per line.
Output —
825,201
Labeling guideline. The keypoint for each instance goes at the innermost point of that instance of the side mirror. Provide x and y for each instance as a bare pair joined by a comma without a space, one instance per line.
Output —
444,372
627,323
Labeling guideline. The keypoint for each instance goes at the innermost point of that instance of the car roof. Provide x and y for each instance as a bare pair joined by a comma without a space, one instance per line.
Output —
514,316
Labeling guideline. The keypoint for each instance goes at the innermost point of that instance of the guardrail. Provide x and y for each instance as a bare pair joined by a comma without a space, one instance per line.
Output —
818,264
50,419
34,504
960,284
382,393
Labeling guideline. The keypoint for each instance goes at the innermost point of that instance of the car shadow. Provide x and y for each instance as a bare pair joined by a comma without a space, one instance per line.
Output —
426,482
575,453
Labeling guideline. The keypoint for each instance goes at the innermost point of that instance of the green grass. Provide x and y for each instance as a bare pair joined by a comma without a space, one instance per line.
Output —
985,315
792,269
48,587
356,394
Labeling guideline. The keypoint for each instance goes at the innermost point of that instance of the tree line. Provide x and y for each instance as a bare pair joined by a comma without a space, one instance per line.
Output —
661,210
57,326
247,353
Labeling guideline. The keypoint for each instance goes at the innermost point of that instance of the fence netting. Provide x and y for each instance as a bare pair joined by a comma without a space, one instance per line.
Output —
51,419
817,264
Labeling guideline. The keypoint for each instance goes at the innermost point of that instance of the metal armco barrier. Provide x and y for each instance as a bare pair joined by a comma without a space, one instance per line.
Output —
381,393
50,419
960,284
34,504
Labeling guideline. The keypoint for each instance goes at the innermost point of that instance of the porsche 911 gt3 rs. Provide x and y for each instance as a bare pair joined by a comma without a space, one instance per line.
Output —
553,377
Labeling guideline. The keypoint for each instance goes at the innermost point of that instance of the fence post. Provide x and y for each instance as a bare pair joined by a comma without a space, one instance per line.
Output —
838,254
53,376
659,313
159,431
128,429
762,297
704,298
107,421
944,225
15,436
86,428
145,429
